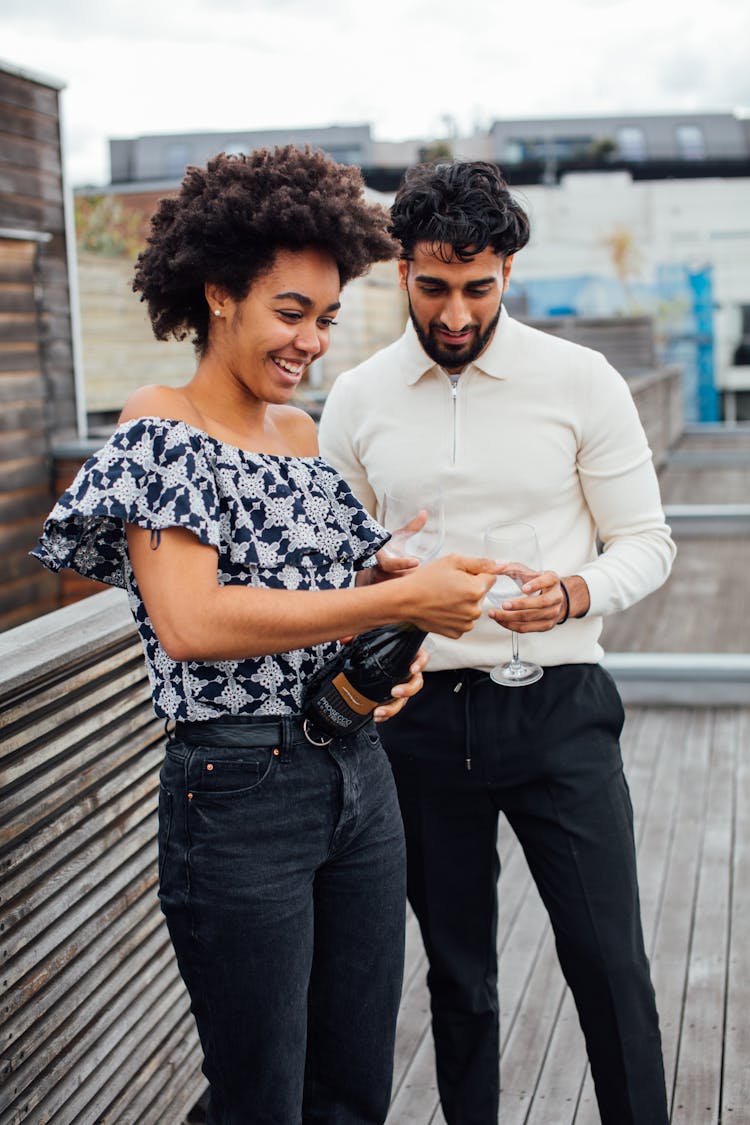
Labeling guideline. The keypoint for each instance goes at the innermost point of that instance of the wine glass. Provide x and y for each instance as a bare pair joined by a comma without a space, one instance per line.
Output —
416,521
516,545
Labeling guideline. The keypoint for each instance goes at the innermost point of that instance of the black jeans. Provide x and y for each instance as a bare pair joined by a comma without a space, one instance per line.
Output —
282,878
548,756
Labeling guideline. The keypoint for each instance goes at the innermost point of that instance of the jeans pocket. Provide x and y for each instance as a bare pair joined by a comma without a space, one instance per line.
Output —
225,771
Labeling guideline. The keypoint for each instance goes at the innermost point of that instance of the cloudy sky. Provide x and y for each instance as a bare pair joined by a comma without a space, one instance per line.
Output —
407,67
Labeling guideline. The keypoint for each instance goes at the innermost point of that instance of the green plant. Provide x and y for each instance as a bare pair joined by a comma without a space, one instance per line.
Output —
103,226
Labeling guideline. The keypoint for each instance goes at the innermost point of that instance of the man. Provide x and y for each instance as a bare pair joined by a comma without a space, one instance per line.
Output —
514,425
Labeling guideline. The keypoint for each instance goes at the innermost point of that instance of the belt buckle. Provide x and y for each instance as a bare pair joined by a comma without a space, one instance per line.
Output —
307,729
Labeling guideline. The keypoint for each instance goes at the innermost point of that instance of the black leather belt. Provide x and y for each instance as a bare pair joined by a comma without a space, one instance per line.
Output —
232,730
245,730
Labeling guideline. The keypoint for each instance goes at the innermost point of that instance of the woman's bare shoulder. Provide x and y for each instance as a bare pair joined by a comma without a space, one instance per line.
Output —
155,401
298,430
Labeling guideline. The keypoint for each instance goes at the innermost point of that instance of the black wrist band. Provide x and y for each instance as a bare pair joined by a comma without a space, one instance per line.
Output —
566,615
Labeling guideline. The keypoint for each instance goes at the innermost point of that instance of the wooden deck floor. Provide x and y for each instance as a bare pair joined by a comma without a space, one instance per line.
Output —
705,605
689,774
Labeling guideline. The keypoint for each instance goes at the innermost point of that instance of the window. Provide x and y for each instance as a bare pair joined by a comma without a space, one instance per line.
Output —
513,152
546,149
690,142
631,142
177,157
345,154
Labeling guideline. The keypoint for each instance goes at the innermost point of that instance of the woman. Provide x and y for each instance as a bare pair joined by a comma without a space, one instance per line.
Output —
281,863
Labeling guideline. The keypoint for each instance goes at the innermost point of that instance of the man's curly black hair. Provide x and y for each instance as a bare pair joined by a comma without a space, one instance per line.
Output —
459,209
231,218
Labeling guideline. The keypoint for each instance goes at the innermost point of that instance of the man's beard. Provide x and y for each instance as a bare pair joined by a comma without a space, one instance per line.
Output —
460,356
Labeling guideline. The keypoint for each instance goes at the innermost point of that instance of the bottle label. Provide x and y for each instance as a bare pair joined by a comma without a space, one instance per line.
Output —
353,698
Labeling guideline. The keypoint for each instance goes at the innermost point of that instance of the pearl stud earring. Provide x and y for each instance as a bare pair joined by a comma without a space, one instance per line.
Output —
217,312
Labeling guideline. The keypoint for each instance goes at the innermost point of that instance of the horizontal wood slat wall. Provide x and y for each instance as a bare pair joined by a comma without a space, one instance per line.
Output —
95,1023
25,484
37,394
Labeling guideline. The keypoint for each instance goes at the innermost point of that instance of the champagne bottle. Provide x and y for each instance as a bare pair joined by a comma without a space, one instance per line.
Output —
342,696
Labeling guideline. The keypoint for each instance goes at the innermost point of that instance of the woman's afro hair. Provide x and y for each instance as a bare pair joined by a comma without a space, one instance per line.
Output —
231,218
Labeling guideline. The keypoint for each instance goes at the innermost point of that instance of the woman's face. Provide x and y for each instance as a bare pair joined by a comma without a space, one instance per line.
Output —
269,340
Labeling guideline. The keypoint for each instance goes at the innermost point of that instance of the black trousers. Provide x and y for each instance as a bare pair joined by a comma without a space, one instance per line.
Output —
548,756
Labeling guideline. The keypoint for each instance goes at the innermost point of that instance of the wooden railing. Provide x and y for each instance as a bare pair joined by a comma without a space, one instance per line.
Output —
95,1019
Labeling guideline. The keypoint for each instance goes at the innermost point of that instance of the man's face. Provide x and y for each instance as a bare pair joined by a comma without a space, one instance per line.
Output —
454,305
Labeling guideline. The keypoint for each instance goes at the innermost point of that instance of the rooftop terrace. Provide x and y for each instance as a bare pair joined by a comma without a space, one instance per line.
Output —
95,1021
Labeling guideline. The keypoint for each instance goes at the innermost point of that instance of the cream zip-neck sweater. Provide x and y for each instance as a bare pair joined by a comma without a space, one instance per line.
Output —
537,429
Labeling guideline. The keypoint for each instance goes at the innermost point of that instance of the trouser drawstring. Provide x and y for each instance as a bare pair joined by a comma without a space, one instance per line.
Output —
467,713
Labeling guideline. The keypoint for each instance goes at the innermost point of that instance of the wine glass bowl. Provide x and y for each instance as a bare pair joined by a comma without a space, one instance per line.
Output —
416,521
516,546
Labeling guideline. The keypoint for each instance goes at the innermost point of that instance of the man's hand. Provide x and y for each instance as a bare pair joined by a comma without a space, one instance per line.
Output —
543,603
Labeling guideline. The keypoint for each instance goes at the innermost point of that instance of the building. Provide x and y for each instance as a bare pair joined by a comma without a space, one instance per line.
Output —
530,150
163,159
652,146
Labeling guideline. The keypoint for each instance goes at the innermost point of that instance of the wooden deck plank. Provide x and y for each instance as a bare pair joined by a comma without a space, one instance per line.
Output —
691,612
559,1088
414,1013
524,1049
698,1084
736,1070
717,472
417,1098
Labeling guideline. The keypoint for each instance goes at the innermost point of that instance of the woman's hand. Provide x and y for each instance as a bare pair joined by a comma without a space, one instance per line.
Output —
402,693
446,596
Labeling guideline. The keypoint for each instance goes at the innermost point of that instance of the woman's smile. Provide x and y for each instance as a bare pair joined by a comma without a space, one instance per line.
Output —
291,370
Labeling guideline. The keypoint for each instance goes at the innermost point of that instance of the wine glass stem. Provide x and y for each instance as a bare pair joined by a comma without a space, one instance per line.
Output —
514,641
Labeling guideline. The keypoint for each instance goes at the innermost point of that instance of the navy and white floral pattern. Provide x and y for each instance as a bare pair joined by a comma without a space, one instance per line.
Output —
279,522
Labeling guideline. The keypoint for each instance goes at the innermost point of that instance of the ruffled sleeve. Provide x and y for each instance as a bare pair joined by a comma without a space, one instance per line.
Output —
274,521
150,473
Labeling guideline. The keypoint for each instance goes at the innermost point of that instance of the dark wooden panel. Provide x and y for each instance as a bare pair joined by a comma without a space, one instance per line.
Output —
27,153
24,504
24,473
17,210
21,121
17,257
31,184
25,93
16,298
17,360
29,440
25,417
22,594
36,396
16,563
18,328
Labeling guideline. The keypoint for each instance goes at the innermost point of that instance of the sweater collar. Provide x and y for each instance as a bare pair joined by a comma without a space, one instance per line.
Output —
493,361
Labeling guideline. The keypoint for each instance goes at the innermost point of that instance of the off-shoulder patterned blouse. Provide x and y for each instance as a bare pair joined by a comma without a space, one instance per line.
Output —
278,522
